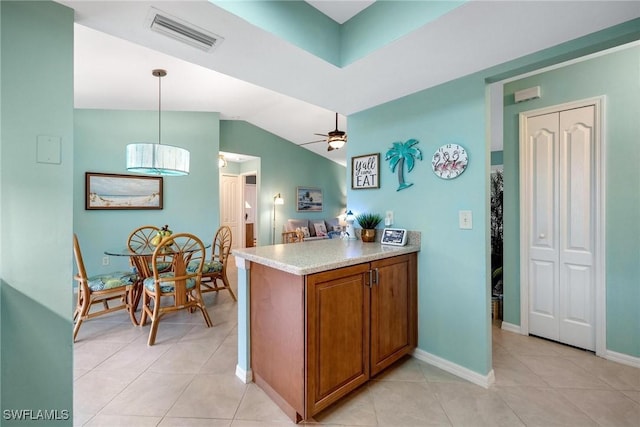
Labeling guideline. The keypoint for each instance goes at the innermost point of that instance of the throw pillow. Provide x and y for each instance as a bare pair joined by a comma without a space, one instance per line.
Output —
321,229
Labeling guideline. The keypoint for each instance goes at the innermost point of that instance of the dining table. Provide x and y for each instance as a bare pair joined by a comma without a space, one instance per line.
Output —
141,262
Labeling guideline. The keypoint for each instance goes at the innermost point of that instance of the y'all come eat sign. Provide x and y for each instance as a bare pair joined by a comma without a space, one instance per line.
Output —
365,171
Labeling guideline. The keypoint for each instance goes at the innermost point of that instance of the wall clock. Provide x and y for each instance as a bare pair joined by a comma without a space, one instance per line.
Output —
449,161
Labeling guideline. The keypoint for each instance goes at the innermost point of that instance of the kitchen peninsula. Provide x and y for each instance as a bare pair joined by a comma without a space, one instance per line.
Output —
317,319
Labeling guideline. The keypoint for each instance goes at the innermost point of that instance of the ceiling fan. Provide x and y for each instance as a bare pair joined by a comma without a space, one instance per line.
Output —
335,138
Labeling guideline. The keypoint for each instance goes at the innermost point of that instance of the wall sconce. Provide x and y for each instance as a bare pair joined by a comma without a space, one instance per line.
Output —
277,200
222,162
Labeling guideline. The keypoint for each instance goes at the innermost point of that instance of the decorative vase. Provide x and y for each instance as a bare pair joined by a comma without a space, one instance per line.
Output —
368,235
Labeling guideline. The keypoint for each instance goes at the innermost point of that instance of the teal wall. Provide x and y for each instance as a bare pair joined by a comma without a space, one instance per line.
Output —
35,210
283,167
190,202
452,265
617,77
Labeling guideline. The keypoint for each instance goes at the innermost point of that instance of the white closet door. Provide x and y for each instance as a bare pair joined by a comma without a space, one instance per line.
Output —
230,206
577,207
542,146
561,253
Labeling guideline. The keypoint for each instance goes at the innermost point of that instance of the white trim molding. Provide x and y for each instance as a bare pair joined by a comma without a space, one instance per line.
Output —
245,376
510,327
485,381
625,359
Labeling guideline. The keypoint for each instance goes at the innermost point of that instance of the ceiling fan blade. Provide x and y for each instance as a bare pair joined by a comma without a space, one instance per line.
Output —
312,142
321,134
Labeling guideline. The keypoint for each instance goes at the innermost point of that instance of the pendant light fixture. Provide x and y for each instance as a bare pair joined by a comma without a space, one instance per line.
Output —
157,159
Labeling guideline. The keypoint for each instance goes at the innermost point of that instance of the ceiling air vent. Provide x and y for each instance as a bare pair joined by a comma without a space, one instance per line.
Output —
183,31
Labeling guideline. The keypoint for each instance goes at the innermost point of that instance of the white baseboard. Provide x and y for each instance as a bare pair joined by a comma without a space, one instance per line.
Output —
482,380
245,376
510,327
625,359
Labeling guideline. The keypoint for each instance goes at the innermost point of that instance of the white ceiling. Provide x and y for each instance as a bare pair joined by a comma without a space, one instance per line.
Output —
255,76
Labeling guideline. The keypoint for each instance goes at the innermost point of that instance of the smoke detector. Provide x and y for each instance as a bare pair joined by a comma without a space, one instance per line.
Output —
181,30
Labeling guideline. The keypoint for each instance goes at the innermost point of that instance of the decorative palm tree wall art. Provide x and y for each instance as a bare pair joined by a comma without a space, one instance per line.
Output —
400,155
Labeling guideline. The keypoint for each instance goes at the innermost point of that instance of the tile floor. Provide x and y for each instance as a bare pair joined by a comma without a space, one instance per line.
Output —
188,379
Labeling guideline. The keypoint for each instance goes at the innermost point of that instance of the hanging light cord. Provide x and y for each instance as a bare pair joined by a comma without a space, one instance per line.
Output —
159,74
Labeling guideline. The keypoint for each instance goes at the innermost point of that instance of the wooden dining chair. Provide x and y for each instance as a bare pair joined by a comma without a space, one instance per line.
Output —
214,272
100,289
178,288
139,241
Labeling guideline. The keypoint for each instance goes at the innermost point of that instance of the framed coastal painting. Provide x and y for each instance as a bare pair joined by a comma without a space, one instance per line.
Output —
113,191
309,199
365,171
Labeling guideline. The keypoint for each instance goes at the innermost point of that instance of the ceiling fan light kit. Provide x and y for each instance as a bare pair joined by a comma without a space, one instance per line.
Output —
335,138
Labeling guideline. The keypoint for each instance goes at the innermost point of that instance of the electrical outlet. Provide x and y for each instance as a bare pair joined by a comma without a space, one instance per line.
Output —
388,219
465,219
105,260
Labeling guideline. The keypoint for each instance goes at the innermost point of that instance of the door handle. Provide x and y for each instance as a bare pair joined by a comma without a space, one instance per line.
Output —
370,278
376,280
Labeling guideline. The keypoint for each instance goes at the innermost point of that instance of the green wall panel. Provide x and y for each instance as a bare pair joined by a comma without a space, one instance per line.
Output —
36,215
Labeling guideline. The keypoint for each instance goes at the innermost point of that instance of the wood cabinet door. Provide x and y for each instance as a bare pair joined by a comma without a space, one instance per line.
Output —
337,305
393,310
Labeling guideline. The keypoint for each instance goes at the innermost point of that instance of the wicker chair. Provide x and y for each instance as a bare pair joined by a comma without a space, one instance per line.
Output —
214,272
100,289
180,285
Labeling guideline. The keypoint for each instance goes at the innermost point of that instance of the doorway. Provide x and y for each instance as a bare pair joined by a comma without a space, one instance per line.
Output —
561,217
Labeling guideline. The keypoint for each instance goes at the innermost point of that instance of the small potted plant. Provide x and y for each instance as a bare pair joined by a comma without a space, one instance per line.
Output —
368,222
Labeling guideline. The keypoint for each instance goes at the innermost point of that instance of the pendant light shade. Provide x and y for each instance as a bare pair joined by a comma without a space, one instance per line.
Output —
157,159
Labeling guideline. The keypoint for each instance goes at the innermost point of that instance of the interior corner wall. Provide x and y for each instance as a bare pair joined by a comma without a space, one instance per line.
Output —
283,167
616,76
36,212
453,294
190,203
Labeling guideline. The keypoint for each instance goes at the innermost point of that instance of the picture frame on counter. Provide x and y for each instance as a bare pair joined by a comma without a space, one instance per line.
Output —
365,171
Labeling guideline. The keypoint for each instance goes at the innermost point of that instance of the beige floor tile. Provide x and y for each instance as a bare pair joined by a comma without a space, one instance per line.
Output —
633,395
193,422
543,407
96,389
616,375
210,396
248,423
123,420
404,403
606,407
436,375
223,361
471,405
151,394
136,356
183,358
100,330
510,371
407,369
561,372
92,353
356,409
257,406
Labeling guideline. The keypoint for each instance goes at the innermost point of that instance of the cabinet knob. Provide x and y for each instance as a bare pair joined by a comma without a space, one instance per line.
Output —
541,235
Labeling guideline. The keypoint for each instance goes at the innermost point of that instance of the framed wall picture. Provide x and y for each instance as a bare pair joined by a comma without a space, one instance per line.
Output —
365,171
113,191
308,199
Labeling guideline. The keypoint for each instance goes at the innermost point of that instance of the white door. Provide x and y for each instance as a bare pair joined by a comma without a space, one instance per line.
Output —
561,187
230,196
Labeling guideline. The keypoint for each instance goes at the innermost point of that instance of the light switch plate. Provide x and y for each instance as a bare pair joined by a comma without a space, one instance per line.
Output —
466,220
388,219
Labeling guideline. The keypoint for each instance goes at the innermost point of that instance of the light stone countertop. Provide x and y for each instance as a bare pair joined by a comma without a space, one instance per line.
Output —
323,255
